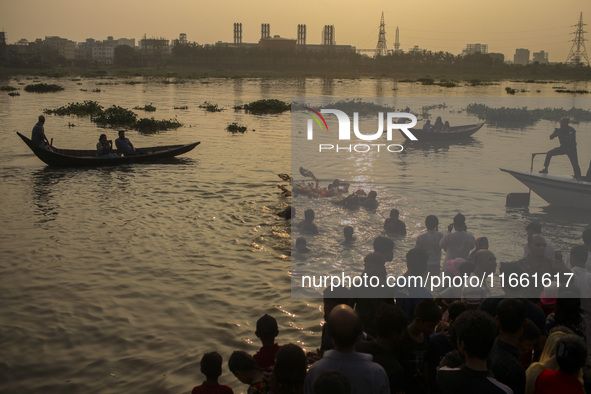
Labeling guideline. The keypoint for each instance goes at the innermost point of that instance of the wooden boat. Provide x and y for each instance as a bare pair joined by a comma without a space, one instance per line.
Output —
455,132
558,190
87,158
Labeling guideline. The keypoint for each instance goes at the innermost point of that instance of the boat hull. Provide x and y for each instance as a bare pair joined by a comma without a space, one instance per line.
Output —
456,132
87,158
557,190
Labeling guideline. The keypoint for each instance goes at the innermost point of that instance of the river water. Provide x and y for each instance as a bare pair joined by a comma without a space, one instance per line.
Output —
119,279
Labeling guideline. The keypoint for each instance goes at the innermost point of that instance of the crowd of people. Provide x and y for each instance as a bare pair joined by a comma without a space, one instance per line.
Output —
532,339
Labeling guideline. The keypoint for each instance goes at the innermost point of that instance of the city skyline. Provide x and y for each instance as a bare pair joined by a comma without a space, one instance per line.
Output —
503,26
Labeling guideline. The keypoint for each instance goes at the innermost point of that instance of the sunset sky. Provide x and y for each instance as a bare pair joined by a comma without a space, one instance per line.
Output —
435,25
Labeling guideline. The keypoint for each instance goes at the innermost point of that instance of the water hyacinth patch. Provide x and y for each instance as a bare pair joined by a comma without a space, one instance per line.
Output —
43,88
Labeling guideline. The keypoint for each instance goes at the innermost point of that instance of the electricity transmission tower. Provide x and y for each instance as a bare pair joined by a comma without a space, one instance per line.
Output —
578,52
382,48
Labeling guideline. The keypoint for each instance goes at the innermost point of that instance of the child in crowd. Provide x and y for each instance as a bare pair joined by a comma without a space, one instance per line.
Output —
267,330
243,366
571,353
211,367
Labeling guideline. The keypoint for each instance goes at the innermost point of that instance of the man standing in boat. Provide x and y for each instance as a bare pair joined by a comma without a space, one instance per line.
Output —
38,136
568,146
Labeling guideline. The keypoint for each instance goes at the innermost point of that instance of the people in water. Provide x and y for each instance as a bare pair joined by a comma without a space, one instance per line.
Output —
393,224
104,147
568,146
348,234
307,226
38,135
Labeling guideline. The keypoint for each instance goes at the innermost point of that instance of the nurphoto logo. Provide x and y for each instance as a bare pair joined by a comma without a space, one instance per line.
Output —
393,120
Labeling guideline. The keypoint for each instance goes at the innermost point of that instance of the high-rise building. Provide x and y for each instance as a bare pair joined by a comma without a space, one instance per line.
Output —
540,57
521,56
475,48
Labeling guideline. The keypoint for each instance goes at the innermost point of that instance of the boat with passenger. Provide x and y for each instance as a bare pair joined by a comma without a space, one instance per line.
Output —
453,133
87,158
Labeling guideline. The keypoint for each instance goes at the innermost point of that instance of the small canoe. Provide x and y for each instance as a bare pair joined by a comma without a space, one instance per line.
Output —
455,132
87,158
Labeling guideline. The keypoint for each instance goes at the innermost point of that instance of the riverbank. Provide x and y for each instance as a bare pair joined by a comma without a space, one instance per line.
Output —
531,73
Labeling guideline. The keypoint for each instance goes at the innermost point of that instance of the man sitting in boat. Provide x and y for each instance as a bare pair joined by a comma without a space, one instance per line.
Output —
38,136
427,126
568,146
125,147
104,147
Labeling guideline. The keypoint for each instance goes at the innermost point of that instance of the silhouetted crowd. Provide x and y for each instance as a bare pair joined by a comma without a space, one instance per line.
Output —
532,339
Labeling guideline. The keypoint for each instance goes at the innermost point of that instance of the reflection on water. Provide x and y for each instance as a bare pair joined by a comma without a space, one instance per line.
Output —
118,279
327,86
43,182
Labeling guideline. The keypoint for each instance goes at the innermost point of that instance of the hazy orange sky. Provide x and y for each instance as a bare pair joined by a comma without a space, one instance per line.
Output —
435,25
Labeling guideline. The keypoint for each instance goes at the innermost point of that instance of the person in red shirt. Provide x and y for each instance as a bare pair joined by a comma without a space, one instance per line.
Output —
571,353
267,331
211,367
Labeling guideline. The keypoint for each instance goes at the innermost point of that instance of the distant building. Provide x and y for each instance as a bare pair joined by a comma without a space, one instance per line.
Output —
154,46
3,45
277,42
182,40
521,56
471,49
64,47
103,53
540,57
497,56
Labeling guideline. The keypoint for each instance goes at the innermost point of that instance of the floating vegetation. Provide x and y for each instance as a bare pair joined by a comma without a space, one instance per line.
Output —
236,128
132,82
106,83
145,125
182,107
13,94
114,117
510,90
447,84
7,88
428,108
210,107
426,81
580,91
266,106
75,79
147,108
97,90
521,117
43,88
86,108
407,80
